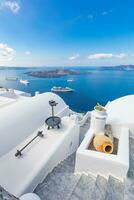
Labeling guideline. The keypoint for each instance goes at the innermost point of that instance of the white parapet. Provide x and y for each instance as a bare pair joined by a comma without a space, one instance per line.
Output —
37,93
39,158
22,118
94,162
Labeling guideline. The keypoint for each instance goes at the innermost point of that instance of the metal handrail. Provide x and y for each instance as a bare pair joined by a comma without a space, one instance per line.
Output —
19,152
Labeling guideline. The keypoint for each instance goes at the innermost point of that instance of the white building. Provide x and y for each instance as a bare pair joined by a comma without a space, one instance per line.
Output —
22,116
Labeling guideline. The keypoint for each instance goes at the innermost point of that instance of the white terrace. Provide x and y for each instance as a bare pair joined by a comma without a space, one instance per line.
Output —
58,166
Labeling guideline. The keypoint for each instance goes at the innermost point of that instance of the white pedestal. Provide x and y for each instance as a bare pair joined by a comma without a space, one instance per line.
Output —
98,121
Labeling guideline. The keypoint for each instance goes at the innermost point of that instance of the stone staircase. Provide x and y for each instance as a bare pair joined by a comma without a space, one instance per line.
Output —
83,129
63,184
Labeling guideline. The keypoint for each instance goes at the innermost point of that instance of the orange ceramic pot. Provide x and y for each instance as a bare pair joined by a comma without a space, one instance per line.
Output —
103,143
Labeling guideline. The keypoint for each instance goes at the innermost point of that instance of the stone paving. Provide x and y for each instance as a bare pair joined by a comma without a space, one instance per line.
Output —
63,184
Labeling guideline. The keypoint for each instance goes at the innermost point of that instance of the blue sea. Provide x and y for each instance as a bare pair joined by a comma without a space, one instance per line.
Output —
98,86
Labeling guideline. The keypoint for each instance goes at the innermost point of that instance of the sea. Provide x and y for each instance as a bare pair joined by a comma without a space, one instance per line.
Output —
98,86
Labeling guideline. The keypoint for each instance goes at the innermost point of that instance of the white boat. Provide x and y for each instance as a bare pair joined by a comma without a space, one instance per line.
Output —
70,80
61,89
11,78
25,82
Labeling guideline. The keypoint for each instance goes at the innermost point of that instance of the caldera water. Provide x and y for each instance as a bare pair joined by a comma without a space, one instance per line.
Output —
98,86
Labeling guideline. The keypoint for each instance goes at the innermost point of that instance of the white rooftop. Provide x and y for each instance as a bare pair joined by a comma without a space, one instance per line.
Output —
4,101
121,111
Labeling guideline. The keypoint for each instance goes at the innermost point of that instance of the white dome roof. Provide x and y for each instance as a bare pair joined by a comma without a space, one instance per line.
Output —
19,120
121,111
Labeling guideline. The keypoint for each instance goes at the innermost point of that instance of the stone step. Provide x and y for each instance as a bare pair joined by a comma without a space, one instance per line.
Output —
129,182
84,188
131,161
100,188
115,189
57,186
83,130
129,189
66,165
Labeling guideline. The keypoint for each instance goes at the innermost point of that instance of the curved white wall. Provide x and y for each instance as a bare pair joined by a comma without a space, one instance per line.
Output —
19,120
121,112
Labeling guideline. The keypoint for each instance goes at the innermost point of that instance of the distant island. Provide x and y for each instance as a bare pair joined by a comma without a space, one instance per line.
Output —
119,68
55,73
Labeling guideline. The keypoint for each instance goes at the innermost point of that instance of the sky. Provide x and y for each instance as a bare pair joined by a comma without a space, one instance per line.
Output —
66,32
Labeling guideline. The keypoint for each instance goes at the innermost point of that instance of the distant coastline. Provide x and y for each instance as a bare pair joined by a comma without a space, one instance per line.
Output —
119,68
55,73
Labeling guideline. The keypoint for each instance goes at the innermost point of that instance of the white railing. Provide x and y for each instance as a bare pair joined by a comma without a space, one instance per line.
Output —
85,117
67,112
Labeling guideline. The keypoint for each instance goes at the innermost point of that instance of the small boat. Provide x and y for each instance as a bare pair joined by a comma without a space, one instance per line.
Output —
25,82
3,89
11,78
61,89
70,80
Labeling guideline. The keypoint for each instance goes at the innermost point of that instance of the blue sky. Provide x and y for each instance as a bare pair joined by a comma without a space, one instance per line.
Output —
66,32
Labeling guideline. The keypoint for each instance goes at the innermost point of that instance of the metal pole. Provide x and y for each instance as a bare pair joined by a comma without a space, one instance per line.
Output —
39,134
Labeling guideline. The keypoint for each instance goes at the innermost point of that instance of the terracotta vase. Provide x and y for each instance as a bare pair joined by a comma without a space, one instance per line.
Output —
103,143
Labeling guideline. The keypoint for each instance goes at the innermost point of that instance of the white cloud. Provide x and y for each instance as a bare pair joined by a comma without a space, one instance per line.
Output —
104,13
121,55
74,20
100,56
27,53
74,57
14,6
106,56
6,53
90,16
78,17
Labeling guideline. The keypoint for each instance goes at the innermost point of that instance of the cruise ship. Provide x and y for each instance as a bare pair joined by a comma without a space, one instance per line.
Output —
62,89
25,82
59,163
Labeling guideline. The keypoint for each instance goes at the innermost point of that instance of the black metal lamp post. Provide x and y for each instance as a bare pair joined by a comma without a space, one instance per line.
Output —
52,104
53,120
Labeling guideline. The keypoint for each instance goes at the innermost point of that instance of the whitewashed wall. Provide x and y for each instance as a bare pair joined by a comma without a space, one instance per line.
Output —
19,120
121,112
